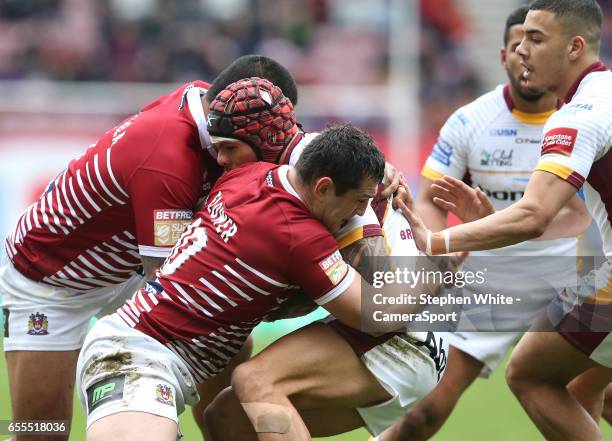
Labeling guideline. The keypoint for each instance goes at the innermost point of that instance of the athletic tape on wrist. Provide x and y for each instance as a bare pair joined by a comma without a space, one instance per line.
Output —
428,244
447,240
268,418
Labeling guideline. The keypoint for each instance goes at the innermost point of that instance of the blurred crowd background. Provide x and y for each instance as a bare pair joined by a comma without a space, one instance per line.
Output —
398,68
325,42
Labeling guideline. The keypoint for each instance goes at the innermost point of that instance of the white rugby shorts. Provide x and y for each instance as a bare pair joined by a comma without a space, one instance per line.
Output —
121,369
40,317
407,372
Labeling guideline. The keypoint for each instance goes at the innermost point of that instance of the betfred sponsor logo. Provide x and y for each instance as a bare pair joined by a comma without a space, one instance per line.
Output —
168,226
560,140
334,267
173,215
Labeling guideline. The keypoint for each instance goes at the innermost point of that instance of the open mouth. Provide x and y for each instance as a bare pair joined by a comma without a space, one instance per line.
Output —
526,75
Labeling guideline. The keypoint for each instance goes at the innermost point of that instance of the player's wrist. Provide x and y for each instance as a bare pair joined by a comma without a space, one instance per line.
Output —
438,243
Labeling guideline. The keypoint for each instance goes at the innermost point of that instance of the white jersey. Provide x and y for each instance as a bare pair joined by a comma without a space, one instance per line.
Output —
497,148
358,227
576,145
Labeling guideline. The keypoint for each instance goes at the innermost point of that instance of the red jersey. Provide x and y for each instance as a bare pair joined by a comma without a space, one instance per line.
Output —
130,194
253,241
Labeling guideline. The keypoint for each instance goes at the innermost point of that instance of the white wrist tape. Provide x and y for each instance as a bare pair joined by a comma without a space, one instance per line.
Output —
428,244
447,240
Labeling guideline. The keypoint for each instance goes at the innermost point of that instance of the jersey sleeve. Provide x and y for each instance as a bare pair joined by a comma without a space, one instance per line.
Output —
569,145
316,264
359,227
163,207
449,155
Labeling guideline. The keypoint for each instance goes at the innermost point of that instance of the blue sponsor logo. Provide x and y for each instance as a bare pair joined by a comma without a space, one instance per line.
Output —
573,109
456,119
442,152
503,132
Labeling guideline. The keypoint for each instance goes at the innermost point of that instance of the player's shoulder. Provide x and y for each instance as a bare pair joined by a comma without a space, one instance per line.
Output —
299,148
478,113
590,108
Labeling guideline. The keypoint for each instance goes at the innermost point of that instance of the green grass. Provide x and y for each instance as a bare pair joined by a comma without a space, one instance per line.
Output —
486,412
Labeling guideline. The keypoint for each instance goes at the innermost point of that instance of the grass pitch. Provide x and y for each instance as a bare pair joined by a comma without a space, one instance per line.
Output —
486,412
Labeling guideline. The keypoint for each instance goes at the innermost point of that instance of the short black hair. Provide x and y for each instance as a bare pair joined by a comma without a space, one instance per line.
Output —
578,17
343,153
516,17
260,66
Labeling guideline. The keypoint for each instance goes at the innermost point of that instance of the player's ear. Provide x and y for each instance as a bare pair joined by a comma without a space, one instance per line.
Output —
576,47
323,186
502,56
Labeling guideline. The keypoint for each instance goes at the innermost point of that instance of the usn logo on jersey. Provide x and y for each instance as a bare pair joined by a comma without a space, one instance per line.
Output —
335,268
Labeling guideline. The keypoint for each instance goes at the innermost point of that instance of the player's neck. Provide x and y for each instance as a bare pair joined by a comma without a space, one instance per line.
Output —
301,189
546,103
574,72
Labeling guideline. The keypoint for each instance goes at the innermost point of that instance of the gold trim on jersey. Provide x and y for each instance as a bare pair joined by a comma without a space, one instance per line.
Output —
431,174
534,119
556,169
350,237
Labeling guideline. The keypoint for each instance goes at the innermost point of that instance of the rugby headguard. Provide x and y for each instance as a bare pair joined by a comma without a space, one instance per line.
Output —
255,111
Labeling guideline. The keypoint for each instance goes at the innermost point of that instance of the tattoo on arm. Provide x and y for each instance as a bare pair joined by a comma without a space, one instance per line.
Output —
356,255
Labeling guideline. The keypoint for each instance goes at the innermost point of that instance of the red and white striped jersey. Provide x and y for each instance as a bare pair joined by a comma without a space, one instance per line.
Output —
253,241
130,194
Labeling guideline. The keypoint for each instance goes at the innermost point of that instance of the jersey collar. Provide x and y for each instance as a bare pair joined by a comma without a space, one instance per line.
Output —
194,103
525,117
595,67
282,171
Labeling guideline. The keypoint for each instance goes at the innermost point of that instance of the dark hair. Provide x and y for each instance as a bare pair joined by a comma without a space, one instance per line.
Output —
516,17
343,153
578,17
260,66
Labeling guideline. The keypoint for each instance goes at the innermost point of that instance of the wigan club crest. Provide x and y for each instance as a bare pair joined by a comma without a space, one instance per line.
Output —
38,324
164,394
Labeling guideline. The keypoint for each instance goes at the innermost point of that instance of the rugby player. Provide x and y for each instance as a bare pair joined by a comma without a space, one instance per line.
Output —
229,270
560,54
79,251
496,141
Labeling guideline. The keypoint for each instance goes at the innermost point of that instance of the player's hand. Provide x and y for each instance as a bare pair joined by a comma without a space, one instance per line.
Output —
467,203
391,181
419,230
403,194
298,305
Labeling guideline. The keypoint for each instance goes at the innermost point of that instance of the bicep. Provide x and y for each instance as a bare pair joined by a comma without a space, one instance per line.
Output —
346,307
361,255
546,194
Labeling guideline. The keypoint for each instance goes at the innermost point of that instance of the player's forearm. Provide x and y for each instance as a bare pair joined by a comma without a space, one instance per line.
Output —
433,216
520,222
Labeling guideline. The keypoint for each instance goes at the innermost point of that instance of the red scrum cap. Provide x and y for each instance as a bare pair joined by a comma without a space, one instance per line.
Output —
255,111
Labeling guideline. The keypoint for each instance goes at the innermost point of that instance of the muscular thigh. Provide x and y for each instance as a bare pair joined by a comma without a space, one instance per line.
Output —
316,368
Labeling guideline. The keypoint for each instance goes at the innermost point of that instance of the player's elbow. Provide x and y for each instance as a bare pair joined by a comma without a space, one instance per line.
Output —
534,222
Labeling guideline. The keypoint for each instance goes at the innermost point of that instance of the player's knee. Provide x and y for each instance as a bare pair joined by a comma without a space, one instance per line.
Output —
424,419
516,378
251,382
245,351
